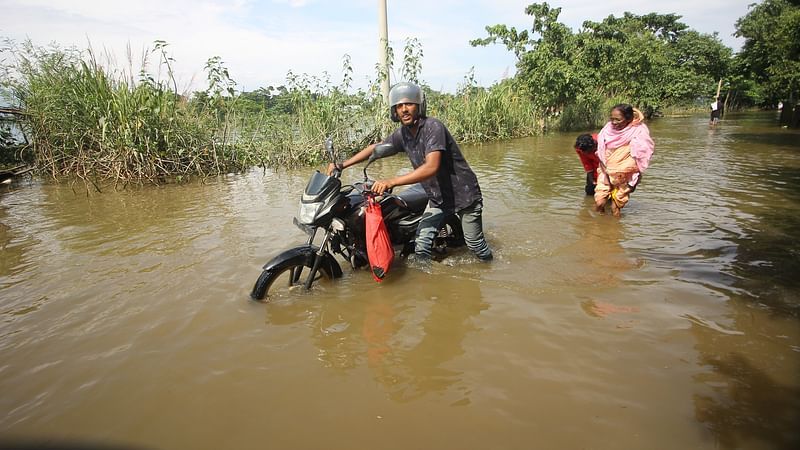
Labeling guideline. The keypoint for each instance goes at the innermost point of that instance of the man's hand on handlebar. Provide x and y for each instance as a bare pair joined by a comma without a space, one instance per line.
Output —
381,186
334,166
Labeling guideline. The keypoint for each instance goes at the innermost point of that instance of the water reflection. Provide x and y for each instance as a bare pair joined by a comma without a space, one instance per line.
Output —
405,338
17,239
746,406
768,261
768,258
10,258
599,238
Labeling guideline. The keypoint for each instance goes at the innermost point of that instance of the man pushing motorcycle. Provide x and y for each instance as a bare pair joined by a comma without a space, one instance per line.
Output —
440,167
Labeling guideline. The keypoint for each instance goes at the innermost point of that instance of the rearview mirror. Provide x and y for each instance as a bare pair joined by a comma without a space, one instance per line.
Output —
329,149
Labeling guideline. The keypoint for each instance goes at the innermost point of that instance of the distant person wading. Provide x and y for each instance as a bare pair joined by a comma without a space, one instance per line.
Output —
716,111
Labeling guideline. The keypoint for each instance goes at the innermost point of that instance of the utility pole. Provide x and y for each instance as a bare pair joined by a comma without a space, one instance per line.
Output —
383,49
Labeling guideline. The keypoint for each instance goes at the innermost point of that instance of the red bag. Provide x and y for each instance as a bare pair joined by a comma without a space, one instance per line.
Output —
379,248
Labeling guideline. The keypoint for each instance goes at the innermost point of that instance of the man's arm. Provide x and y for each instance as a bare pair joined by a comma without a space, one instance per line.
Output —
421,173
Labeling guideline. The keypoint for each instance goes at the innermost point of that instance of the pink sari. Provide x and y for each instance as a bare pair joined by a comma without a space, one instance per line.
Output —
636,134
624,155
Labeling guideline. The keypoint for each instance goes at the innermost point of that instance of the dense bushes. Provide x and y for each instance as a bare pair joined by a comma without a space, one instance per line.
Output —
100,123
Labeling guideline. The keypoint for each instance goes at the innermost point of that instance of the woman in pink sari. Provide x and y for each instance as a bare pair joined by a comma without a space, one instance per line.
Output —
624,148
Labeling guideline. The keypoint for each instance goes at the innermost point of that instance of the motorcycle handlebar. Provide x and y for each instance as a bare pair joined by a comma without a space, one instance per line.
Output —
338,167
365,188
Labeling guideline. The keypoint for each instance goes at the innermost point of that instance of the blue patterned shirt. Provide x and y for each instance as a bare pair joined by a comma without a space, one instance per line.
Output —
455,185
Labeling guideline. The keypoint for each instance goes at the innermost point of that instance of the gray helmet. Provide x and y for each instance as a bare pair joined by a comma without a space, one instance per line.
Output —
406,93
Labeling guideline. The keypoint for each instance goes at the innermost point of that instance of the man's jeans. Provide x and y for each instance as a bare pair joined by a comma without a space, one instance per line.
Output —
471,223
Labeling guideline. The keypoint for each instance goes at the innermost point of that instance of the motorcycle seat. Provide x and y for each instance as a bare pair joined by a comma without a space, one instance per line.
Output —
414,197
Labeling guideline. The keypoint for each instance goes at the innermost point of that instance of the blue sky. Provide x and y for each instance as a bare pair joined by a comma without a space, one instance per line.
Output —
261,41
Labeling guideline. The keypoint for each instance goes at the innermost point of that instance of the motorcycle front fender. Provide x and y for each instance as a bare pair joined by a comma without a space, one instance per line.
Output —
298,256
304,255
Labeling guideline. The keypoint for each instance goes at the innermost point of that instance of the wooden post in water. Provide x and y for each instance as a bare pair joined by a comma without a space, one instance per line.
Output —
383,49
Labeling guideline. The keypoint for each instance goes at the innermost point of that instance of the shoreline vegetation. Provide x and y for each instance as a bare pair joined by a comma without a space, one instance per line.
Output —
100,124
93,121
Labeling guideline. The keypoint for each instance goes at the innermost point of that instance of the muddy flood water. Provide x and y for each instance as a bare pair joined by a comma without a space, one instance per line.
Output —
125,318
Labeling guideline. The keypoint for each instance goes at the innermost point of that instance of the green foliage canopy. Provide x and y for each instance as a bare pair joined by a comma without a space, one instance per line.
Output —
649,60
771,51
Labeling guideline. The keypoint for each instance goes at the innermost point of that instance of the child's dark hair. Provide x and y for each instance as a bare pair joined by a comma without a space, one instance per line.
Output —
625,109
586,143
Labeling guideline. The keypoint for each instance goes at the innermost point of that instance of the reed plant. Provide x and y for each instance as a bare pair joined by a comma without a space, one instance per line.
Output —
477,114
326,110
98,123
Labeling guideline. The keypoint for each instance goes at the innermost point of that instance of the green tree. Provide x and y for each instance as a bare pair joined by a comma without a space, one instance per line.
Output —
699,61
653,60
649,60
771,51
546,64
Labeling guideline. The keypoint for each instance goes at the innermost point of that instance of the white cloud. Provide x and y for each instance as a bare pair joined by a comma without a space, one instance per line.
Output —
706,16
195,31
293,3
260,41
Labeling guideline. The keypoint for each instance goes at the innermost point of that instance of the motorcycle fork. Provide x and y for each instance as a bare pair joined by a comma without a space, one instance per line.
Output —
318,258
311,238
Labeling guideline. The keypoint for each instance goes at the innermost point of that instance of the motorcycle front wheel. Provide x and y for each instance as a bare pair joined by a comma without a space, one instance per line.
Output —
287,273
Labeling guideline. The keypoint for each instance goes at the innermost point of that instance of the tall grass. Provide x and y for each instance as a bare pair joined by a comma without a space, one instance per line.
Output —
99,123
323,110
477,114
86,121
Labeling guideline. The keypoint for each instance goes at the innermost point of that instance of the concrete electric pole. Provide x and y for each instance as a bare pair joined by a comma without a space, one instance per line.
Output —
383,49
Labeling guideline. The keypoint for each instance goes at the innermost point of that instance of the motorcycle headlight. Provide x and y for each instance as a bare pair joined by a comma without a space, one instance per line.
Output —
308,212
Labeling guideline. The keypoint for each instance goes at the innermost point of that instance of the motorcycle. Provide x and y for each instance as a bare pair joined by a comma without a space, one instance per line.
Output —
339,211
